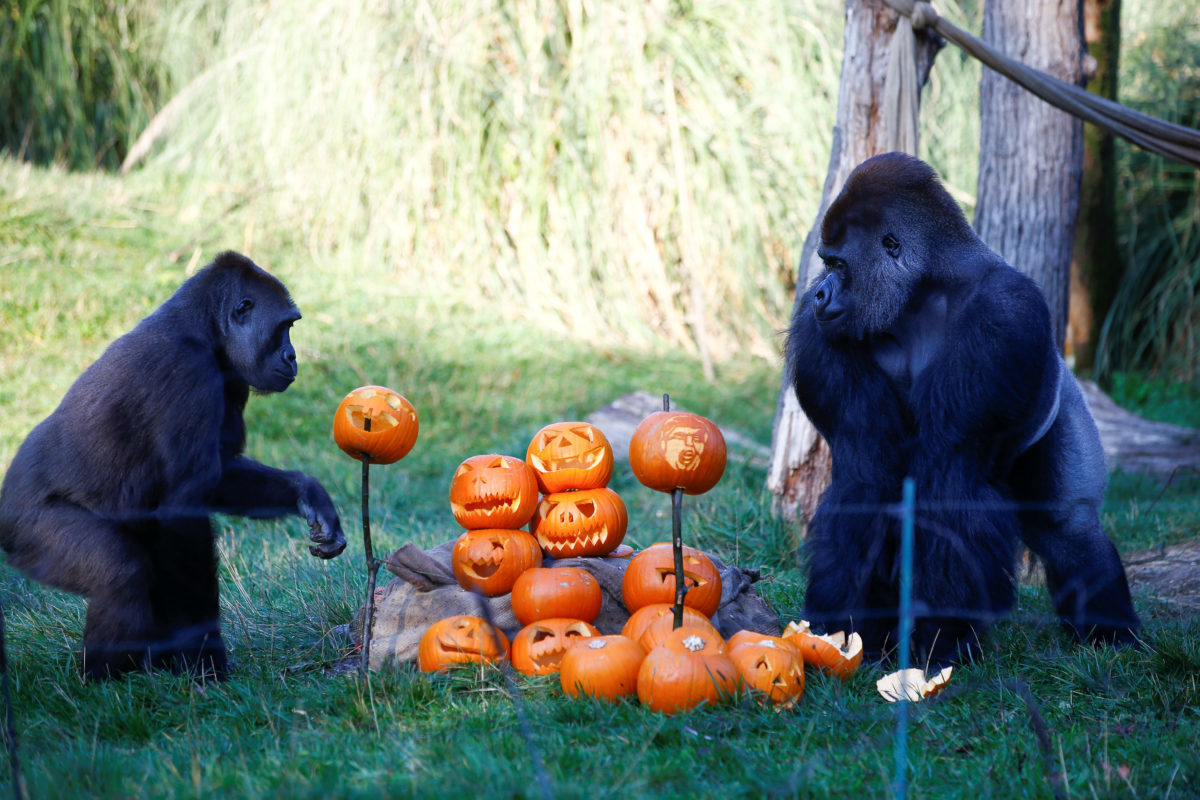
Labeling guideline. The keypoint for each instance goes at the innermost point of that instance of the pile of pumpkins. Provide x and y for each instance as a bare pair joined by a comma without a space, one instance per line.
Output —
670,669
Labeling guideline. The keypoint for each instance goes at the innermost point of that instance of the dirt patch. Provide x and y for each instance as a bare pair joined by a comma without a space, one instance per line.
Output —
1170,574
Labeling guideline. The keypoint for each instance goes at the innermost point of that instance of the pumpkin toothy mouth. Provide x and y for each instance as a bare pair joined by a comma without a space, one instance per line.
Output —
484,558
582,540
488,506
585,461
547,649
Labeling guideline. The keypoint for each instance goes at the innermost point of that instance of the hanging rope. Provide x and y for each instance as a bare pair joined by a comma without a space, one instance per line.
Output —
1153,134
901,91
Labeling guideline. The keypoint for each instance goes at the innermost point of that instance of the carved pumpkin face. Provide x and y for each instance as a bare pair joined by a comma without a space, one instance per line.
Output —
570,455
604,667
460,639
539,647
650,578
677,450
590,522
689,668
547,592
771,666
391,418
492,491
490,560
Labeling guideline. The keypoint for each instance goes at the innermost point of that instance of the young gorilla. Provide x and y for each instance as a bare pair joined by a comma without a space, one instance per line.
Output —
920,352
110,495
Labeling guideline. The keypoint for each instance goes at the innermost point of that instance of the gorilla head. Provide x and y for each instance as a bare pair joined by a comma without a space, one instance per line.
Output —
888,228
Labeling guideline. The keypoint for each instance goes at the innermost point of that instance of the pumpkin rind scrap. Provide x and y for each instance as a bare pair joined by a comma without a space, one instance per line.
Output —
570,455
546,592
604,667
677,450
493,491
770,666
911,684
460,639
490,560
834,653
394,425
687,669
650,578
539,647
589,522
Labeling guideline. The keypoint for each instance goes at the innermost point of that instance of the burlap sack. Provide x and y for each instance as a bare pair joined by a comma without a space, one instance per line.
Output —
424,591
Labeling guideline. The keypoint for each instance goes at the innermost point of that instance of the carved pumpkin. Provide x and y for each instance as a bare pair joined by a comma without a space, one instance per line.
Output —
545,592
770,666
490,560
677,450
604,667
493,491
744,636
650,578
834,654
394,425
654,623
589,522
460,639
689,668
538,648
570,455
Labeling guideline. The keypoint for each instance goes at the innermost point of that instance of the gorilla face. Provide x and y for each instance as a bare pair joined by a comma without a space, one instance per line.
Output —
865,283
258,343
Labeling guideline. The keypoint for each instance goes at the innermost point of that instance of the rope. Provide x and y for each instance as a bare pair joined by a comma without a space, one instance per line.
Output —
1158,136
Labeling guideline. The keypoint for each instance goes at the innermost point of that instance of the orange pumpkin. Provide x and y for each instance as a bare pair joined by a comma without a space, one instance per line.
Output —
460,639
604,667
661,626
545,592
493,491
570,455
744,636
689,668
834,654
770,666
490,560
589,522
539,647
393,423
650,578
677,450
639,621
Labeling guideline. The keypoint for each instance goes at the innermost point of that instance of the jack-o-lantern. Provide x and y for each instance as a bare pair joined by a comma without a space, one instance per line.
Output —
546,592
771,666
391,418
650,578
490,560
539,647
677,450
460,639
689,668
834,653
603,667
570,455
493,491
589,522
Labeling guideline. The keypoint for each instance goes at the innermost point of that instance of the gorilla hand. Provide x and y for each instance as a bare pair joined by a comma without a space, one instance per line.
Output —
324,526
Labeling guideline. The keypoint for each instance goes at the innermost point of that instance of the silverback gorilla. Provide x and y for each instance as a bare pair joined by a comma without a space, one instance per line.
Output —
919,352
110,495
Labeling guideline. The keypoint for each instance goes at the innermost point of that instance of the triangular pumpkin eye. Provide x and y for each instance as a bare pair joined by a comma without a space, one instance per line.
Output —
463,469
587,508
499,463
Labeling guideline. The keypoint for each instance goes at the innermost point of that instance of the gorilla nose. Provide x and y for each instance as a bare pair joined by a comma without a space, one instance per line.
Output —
820,299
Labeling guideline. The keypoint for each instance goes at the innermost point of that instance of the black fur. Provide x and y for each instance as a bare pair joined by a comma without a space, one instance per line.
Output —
920,352
109,497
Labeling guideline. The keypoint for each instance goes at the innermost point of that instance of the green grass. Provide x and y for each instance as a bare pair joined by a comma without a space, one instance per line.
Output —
83,258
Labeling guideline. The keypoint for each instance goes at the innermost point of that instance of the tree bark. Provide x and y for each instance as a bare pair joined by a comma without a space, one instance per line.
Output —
1097,267
1031,154
800,459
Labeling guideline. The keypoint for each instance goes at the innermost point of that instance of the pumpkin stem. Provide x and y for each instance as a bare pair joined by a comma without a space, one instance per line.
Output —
372,564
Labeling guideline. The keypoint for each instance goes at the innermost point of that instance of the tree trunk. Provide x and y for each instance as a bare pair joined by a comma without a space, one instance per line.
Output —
1097,267
800,460
1031,154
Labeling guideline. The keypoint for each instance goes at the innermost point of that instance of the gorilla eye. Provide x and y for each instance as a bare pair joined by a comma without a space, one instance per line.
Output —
243,308
892,245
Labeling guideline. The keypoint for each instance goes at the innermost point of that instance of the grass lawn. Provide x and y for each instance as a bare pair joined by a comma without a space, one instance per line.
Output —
83,257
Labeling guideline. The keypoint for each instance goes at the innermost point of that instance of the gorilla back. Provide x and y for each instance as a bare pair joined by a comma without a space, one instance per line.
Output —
919,352
109,497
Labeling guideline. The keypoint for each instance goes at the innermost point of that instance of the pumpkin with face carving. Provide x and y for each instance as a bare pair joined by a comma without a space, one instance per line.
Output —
570,455
490,560
770,667
460,639
589,522
375,422
650,578
493,491
677,450
539,647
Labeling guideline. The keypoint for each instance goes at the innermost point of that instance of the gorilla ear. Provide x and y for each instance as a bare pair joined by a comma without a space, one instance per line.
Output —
892,245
